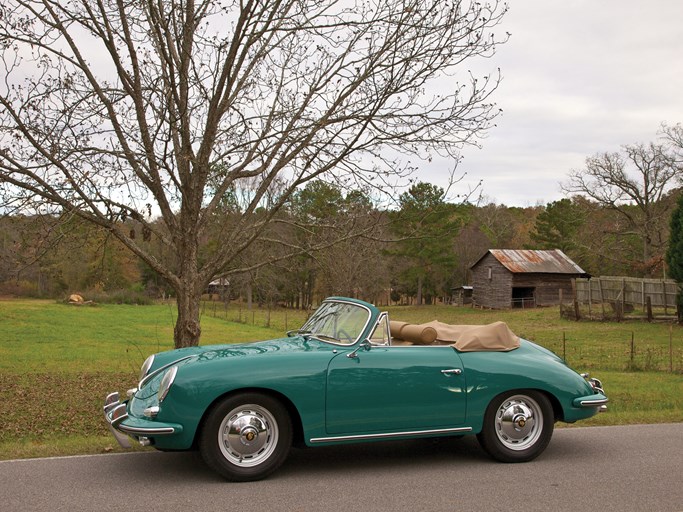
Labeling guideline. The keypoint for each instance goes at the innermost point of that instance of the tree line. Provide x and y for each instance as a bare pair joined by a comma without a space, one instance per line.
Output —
617,222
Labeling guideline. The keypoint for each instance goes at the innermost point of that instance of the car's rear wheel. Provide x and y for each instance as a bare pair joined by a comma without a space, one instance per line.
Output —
246,437
517,426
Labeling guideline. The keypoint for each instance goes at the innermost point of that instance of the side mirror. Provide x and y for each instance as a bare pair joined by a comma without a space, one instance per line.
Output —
365,345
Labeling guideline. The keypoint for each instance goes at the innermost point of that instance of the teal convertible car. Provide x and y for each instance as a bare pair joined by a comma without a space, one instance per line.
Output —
351,375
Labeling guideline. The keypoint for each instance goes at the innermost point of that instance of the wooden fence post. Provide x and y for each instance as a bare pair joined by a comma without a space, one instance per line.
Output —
648,308
671,349
642,295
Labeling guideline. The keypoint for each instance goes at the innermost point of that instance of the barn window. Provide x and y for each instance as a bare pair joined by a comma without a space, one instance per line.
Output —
490,274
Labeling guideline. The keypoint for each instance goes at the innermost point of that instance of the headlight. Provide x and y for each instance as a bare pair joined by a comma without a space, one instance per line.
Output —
146,366
166,383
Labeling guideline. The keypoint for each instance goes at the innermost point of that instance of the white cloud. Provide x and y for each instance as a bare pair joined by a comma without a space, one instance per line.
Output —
579,77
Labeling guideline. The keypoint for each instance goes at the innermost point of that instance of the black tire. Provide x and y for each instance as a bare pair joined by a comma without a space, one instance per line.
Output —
246,437
517,426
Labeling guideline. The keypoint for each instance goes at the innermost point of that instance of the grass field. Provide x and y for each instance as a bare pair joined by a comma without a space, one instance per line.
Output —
57,362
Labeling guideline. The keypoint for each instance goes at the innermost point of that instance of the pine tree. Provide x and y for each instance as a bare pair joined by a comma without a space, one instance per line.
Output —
674,254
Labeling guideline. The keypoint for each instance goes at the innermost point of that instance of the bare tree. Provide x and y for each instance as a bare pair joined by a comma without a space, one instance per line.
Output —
118,110
635,184
673,137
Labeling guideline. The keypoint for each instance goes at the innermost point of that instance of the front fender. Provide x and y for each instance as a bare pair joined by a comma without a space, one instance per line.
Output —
301,380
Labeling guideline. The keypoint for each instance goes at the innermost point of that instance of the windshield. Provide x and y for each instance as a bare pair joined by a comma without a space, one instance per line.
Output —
338,322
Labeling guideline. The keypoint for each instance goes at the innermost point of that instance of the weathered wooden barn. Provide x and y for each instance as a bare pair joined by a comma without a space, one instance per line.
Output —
505,278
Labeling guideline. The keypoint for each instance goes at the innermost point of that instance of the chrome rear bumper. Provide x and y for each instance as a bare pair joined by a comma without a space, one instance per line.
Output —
598,400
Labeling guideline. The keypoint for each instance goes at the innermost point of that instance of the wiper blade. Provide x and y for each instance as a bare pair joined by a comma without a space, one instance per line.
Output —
323,337
311,334
297,332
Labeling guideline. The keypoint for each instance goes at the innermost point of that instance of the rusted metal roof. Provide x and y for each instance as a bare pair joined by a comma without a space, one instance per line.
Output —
536,262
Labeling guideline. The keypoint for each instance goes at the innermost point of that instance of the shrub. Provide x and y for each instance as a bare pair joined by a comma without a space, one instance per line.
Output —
131,297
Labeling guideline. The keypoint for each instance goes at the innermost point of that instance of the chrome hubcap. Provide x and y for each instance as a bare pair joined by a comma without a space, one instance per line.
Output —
519,422
248,435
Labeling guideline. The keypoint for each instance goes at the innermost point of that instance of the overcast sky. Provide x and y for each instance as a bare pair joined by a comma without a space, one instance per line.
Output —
580,77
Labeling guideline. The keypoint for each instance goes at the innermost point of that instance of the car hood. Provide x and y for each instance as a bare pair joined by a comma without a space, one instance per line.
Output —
253,349
260,348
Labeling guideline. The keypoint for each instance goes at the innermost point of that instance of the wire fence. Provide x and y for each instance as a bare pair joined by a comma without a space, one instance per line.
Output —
280,319
628,353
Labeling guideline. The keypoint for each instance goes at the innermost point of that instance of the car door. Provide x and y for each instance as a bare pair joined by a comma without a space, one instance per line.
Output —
390,389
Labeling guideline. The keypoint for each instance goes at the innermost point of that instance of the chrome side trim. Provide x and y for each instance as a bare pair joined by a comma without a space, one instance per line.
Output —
388,435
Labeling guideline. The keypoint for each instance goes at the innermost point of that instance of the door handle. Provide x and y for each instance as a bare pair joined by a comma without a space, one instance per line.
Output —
454,371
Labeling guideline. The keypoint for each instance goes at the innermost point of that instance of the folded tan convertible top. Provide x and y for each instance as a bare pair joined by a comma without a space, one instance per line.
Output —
465,338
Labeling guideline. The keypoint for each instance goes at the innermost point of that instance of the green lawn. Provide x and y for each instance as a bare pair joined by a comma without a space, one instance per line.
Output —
46,336
57,362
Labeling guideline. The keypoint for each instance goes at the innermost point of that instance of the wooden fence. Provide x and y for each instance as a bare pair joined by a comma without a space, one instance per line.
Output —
623,295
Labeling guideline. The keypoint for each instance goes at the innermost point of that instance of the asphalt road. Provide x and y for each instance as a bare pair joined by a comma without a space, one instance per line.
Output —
628,468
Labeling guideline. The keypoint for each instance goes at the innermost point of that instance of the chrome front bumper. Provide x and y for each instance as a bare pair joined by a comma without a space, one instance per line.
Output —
123,427
115,412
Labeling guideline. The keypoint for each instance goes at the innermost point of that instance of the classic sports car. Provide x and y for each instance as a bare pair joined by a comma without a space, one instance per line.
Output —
350,375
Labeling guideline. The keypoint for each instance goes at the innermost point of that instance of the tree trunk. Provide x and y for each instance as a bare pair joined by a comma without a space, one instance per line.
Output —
419,290
188,289
250,295
187,328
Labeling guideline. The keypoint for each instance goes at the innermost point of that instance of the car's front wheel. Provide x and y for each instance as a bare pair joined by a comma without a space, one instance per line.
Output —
517,426
246,437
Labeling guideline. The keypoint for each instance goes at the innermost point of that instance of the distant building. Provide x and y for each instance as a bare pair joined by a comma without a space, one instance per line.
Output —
462,295
504,278
220,287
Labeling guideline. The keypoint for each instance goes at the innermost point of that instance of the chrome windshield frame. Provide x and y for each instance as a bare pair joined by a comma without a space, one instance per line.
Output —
361,335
